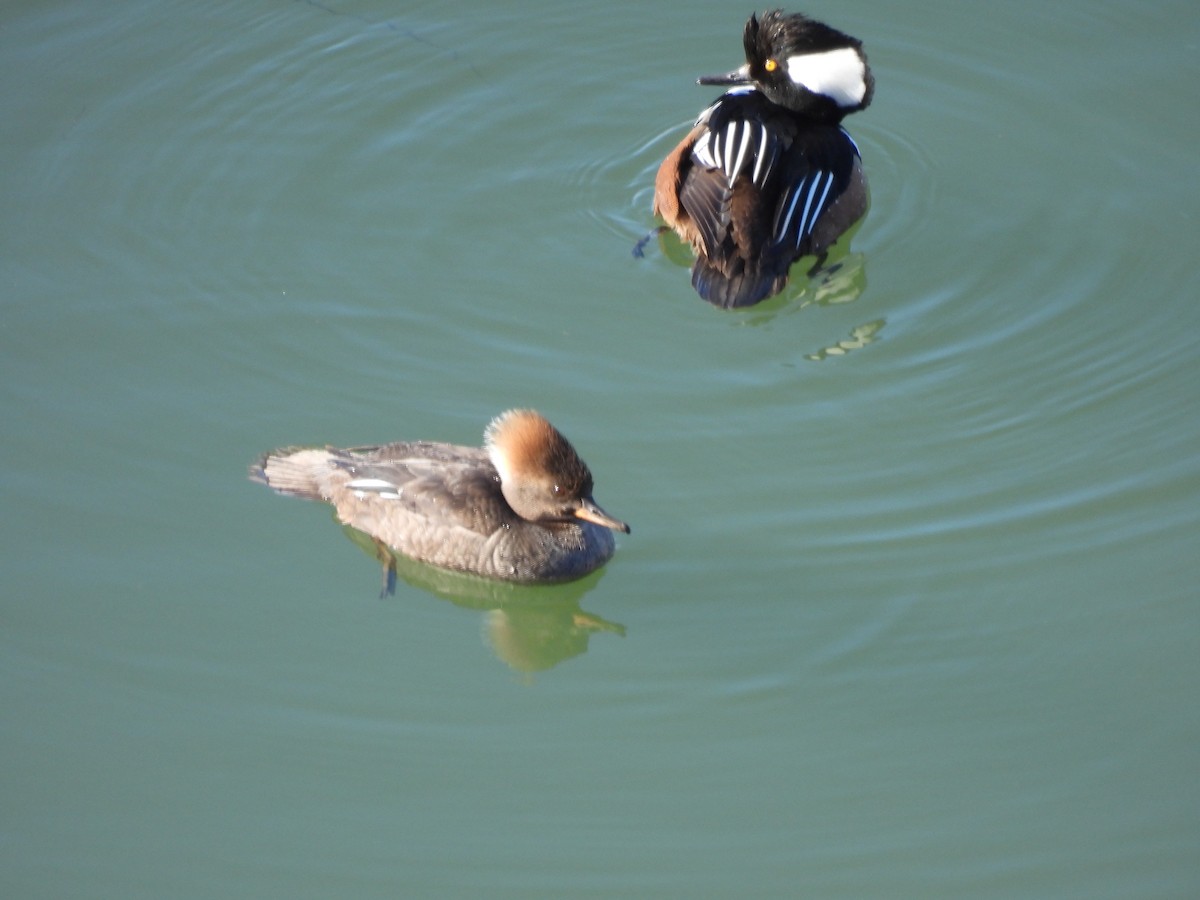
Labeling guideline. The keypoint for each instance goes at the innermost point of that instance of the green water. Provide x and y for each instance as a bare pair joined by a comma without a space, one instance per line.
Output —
909,605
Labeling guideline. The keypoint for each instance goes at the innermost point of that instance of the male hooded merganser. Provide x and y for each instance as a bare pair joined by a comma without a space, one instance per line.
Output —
520,509
767,174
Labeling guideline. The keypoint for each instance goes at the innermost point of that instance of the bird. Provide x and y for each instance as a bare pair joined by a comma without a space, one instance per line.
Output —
767,174
519,509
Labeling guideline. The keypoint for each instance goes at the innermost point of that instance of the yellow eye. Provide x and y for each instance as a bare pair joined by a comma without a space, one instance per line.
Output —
770,65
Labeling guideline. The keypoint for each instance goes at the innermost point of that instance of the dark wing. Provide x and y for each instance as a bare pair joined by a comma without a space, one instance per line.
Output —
426,479
814,176
735,143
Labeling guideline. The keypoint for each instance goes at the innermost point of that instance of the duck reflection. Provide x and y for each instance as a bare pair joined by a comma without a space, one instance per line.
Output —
860,336
530,628
842,278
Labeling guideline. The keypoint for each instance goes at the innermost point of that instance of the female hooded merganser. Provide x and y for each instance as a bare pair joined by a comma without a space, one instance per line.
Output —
520,509
767,174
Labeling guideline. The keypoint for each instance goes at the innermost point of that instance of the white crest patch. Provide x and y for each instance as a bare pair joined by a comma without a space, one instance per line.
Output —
840,75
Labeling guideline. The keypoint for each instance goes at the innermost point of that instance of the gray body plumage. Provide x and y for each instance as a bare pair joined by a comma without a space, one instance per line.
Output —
441,504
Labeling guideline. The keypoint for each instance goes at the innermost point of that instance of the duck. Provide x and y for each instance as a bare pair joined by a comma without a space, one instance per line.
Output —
768,175
519,509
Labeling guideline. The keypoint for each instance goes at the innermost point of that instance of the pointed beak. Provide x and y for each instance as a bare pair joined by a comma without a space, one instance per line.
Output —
737,76
590,512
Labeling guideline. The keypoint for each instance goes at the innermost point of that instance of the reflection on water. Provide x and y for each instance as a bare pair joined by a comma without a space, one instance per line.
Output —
842,277
841,280
537,636
531,628
860,336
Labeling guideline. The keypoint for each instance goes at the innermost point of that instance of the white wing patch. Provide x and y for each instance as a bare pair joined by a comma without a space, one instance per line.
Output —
370,484
380,487
729,149
840,75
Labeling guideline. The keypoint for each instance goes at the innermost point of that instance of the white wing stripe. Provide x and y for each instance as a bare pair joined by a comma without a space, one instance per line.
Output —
804,223
708,151
808,223
731,149
781,230
759,176
820,208
743,146
730,137
804,215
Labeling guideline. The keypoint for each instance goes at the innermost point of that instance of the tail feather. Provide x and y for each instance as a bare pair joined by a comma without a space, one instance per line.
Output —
296,471
744,287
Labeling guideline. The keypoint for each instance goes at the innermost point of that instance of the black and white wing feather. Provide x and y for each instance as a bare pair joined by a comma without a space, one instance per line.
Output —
758,186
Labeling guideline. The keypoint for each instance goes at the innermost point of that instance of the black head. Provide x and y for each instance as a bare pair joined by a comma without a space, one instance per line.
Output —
804,65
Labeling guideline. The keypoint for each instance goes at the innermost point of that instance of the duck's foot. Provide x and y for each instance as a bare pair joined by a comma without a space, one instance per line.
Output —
639,249
388,561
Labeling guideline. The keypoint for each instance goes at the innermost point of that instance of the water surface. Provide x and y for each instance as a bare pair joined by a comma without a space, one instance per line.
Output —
909,604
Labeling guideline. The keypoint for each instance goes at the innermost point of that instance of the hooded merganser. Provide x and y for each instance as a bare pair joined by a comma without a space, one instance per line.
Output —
520,509
767,174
